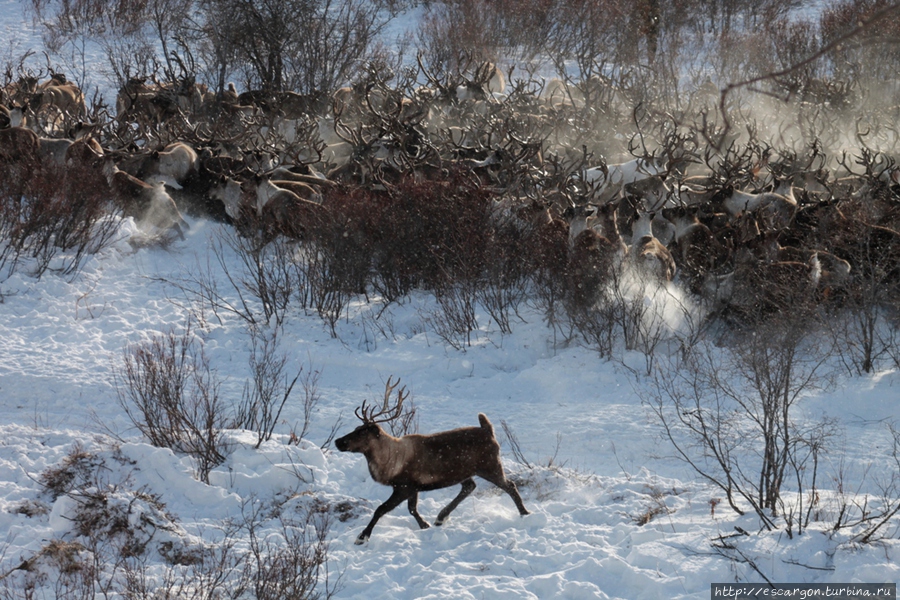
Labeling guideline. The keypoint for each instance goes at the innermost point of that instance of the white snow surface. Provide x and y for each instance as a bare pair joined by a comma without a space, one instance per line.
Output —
598,462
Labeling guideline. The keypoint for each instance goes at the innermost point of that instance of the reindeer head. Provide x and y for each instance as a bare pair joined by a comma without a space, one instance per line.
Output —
361,438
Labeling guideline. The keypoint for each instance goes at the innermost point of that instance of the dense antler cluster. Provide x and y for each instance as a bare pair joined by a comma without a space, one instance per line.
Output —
687,199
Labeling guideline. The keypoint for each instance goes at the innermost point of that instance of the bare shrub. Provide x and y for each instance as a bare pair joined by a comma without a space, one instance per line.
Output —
454,36
455,318
324,288
868,55
597,324
627,311
729,413
113,526
270,387
291,564
447,223
43,228
124,30
507,273
259,290
344,232
268,275
431,234
864,338
170,394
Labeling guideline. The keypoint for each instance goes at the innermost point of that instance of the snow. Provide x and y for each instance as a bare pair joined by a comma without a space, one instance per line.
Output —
61,342
598,463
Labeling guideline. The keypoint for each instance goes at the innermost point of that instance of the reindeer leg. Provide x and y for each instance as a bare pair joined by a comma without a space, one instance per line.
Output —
400,494
511,489
413,510
500,480
467,487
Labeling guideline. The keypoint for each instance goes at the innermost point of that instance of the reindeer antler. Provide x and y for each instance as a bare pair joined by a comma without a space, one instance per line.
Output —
368,414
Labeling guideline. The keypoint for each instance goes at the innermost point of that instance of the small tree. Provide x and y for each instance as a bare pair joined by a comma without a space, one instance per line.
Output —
308,46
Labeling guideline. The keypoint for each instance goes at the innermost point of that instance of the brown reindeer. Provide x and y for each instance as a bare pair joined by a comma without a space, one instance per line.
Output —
65,98
177,161
148,204
18,144
418,463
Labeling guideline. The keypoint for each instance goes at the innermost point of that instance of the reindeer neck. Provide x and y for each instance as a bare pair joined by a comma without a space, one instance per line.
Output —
109,170
386,457
643,227
265,189
606,216
684,224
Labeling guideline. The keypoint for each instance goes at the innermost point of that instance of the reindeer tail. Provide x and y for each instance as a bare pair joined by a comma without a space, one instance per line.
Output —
485,424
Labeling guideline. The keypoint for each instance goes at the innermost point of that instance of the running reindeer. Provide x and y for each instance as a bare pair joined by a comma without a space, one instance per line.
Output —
419,463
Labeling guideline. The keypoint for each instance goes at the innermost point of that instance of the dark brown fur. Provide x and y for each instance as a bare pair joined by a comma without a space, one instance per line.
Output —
417,463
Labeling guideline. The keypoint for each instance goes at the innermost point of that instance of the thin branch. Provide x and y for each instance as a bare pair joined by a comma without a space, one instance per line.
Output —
834,44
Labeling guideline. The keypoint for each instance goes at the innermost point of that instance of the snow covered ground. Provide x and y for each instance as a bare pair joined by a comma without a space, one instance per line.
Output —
613,514
598,466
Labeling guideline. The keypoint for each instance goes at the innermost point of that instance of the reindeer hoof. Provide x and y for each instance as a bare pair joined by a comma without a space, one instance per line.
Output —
438,522
361,540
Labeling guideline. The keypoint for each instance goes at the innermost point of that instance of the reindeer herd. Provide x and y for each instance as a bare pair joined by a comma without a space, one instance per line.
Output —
748,228
742,224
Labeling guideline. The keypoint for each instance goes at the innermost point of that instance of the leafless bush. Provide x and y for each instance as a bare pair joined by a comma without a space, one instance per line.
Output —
864,338
114,526
641,304
863,517
728,413
170,393
323,285
293,565
427,232
270,387
43,228
289,562
268,275
455,318
336,260
508,271
598,324
869,54
259,290
309,46
454,36
431,234
892,337
125,31
514,445
631,313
